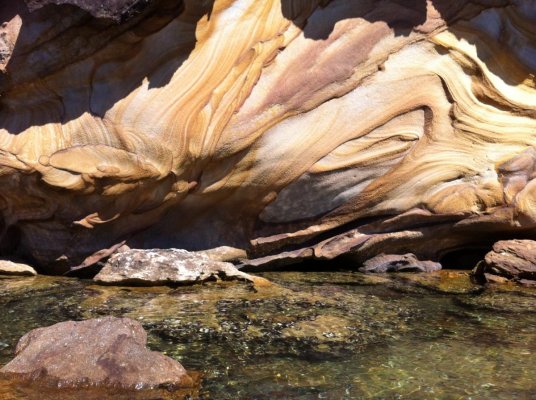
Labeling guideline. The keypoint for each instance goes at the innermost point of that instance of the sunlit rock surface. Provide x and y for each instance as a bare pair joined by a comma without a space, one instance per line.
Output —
8,267
509,260
298,129
171,267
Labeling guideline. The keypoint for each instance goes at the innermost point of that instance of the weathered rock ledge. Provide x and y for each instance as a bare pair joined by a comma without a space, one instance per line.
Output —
510,260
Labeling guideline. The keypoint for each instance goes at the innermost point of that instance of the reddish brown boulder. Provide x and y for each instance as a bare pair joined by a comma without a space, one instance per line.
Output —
398,263
107,352
510,259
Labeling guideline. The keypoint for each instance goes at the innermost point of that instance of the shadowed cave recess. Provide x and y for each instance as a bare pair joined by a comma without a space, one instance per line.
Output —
299,130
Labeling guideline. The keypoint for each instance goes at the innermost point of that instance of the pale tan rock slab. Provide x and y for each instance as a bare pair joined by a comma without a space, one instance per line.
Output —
157,267
8,267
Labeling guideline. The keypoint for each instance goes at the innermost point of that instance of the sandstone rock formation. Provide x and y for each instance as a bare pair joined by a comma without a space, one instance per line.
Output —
513,260
299,129
97,352
168,267
225,254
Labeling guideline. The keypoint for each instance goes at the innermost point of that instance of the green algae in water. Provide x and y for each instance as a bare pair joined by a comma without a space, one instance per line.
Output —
331,335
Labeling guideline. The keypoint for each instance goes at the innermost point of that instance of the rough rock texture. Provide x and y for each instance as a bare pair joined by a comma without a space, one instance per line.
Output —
398,263
8,267
167,267
224,253
509,260
97,352
308,128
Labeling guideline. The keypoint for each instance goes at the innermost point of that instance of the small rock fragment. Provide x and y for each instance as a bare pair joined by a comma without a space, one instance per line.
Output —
398,263
224,254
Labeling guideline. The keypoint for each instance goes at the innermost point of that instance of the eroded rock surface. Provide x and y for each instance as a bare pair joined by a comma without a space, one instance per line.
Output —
297,130
97,352
168,267
509,260
398,263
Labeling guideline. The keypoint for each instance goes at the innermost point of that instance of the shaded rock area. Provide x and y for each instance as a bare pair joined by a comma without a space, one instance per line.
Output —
398,263
168,267
8,267
510,260
97,352
117,10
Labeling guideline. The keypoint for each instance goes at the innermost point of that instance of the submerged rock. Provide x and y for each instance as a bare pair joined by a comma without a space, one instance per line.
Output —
509,260
168,267
398,263
15,268
108,352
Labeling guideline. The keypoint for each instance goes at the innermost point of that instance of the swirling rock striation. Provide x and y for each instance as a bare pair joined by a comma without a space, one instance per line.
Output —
300,129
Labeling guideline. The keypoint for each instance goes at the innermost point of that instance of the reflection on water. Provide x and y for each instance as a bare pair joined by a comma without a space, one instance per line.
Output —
331,335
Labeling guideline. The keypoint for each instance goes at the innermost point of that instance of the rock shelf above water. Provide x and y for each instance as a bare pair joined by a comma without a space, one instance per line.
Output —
297,130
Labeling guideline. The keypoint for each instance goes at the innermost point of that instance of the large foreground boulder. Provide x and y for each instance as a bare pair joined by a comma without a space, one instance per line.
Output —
509,260
107,352
168,267
398,263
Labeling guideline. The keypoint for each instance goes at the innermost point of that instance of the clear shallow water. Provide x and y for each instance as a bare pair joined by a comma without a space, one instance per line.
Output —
313,335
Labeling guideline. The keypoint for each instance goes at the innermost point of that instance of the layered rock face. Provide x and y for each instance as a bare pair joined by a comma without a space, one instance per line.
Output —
296,128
